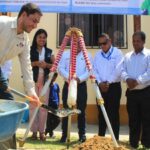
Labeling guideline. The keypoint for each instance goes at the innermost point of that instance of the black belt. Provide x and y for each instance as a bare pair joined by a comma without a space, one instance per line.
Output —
139,90
146,88
84,82
116,83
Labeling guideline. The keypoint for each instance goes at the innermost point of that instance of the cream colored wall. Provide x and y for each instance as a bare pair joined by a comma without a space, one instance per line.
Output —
49,23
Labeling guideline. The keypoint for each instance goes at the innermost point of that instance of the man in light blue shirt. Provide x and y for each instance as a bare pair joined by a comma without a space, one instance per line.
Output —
108,75
82,76
136,74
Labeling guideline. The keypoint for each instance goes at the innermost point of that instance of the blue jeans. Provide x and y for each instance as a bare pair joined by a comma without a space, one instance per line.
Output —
3,87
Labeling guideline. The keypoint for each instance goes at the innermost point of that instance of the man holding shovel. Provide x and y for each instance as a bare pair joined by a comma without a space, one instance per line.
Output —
14,41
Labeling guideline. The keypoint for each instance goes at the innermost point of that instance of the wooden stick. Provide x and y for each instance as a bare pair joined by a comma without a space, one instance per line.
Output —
22,140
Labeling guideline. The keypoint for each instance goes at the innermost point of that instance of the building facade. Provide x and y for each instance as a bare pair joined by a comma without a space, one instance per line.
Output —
119,27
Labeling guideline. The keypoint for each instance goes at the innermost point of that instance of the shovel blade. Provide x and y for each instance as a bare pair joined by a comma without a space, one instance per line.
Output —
66,112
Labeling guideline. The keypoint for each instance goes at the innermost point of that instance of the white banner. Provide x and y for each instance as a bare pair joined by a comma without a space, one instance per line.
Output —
136,7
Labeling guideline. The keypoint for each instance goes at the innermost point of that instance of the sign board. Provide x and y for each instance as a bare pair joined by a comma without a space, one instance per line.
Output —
135,7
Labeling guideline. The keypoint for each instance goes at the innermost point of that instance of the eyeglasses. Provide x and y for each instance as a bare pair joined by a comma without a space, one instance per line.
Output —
104,43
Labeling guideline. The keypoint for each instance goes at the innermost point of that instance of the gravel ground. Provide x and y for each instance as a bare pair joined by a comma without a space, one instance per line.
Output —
101,143
93,141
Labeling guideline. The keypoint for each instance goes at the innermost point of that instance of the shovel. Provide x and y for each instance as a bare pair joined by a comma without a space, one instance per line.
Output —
57,112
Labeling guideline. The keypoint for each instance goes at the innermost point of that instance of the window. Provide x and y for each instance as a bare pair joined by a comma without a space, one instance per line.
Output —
93,25
5,13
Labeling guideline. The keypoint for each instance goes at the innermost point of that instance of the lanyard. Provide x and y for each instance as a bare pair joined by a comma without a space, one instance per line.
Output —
107,56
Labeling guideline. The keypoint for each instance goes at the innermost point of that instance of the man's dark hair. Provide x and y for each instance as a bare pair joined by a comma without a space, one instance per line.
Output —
29,8
141,34
55,74
54,77
104,35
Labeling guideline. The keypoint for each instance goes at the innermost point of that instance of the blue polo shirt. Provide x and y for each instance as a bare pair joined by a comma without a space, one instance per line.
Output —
54,95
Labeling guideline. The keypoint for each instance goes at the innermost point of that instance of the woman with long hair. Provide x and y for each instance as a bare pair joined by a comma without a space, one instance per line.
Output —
42,59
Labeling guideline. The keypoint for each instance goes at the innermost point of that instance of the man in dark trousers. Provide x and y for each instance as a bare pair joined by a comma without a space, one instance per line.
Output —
136,74
106,68
82,76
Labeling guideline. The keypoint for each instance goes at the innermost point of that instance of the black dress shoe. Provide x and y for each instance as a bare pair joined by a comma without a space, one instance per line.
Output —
135,146
146,147
51,133
82,139
63,139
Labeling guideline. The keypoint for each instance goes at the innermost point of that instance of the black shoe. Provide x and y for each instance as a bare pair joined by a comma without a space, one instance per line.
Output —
135,146
82,139
46,131
146,147
51,134
63,139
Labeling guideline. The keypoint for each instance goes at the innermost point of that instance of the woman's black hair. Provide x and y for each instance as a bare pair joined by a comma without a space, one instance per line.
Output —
34,42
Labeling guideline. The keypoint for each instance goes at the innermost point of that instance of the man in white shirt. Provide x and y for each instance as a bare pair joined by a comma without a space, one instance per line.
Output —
14,41
136,74
106,69
82,76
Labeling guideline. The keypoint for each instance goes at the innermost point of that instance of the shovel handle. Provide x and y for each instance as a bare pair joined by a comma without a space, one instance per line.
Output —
49,109
21,95
32,100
